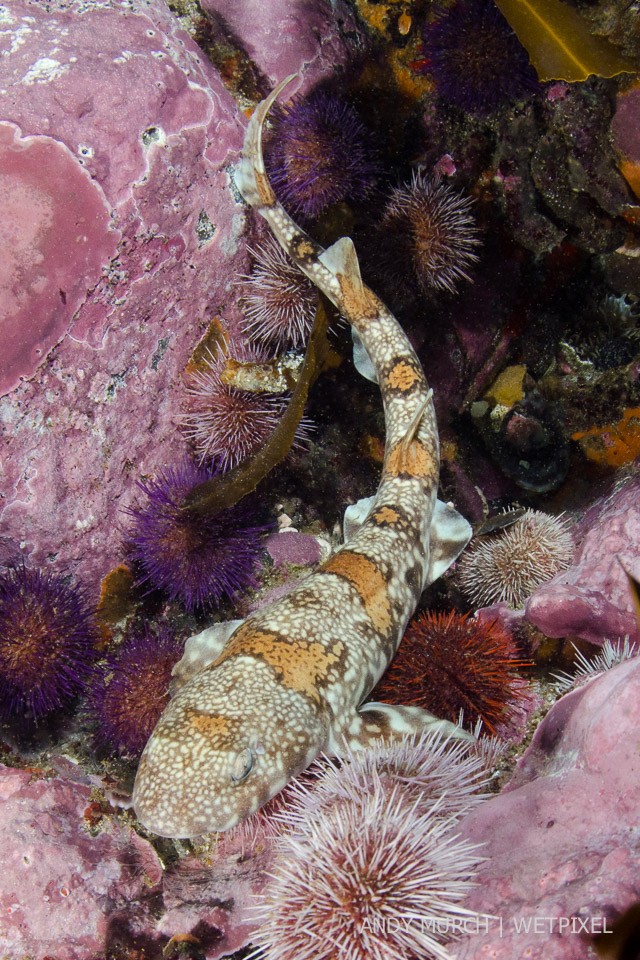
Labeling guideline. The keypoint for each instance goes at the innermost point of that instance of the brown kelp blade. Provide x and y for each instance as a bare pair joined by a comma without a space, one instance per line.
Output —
220,493
560,43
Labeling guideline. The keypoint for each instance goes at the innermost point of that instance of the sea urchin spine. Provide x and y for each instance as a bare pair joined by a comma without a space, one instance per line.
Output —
319,154
47,642
130,690
450,663
279,302
226,425
367,881
475,57
435,225
510,565
197,560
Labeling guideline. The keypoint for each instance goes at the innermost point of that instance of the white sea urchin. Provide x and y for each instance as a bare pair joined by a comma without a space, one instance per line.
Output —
512,564
374,880
224,424
422,770
279,302
440,230
586,668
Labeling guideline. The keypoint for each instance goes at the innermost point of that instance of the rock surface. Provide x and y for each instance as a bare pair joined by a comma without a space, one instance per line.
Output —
115,148
77,884
288,36
562,839
64,891
591,600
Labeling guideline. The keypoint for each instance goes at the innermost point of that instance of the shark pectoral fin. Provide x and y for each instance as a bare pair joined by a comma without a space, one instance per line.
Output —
341,259
448,536
385,721
361,359
355,515
200,650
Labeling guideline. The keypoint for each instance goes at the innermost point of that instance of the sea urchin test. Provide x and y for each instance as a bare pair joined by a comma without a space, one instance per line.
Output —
256,701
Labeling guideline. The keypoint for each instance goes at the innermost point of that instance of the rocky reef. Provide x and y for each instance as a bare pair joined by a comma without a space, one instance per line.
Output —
150,333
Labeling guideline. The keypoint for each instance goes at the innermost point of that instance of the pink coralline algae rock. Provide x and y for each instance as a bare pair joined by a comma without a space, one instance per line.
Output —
125,235
591,600
123,238
77,886
214,900
625,125
56,236
63,892
562,839
289,36
293,547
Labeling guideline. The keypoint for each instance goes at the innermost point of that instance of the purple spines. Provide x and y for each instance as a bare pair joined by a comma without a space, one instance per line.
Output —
320,154
130,690
476,59
47,643
196,560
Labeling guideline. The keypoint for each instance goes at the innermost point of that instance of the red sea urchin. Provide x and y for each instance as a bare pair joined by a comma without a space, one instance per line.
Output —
227,425
433,226
197,560
319,154
367,881
47,643
475,57
510,565
130,690
279,302
448,663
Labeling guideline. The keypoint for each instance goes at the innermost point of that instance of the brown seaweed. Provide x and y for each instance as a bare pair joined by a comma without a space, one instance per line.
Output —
220,493
560,43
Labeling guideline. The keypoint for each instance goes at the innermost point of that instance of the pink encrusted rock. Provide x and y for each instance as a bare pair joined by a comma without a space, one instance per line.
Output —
77,886
63,889
625,125
290,36
214,900
562,841
290,546
124,238
56,236
591,599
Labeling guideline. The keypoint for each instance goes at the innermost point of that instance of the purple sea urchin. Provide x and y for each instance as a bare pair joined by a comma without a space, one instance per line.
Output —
279,302
367,881
47,642
319,154
197,560
227,425
476,58
512,564
433,226
130,690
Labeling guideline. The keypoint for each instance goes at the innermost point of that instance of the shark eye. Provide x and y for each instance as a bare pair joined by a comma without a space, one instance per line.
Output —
242,766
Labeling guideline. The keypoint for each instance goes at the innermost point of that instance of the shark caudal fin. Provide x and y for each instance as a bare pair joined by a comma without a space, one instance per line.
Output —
250,175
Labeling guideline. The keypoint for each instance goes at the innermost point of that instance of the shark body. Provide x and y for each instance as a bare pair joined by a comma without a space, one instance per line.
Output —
259,699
